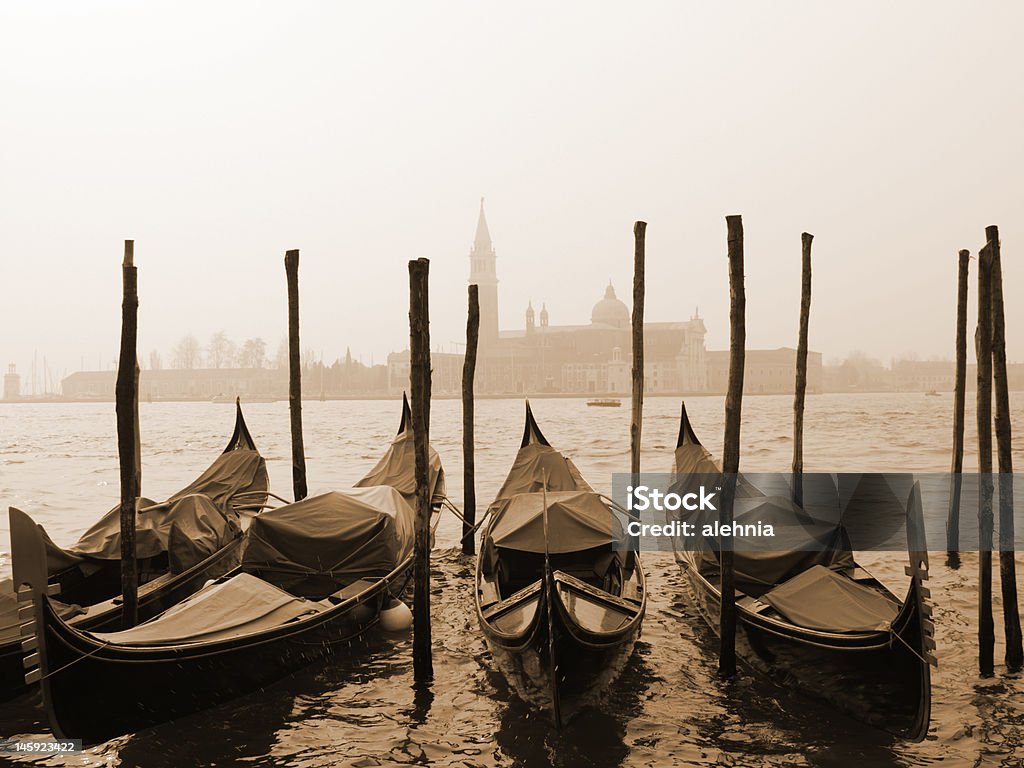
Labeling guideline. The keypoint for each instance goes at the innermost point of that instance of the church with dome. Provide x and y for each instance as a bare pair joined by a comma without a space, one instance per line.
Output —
592,357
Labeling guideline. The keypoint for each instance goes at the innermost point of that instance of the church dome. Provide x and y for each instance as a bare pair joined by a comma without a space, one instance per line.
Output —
610,311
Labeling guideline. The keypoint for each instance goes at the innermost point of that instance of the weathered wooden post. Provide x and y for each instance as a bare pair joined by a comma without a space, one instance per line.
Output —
731,448
468,458
983,343
959,398
291,269
1007,567
419,385
800,389
127,409
635,427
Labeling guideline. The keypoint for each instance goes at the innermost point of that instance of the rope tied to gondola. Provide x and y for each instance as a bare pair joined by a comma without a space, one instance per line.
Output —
446,503
83,657
894,634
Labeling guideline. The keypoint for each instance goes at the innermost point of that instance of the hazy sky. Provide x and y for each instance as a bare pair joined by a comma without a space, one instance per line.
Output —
218,135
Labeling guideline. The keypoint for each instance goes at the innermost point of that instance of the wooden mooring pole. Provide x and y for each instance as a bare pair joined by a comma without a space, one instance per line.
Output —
731,448
959,399
468,448
419,385
1007,567
291,269
800,390
128,452
636,424
983,344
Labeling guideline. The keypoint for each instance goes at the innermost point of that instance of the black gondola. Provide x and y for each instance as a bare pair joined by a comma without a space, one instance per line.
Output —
187,540
560,608
825,626
313,575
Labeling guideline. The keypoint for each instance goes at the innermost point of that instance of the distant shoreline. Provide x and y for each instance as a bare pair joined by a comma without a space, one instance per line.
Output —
511,396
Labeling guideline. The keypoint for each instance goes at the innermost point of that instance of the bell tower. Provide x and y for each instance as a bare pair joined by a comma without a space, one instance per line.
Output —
484,273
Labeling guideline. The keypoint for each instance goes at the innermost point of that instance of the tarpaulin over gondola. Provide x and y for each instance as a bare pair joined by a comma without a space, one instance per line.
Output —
322,543
236,606
577,521
537,466
819,598
798,543
397,468
193,523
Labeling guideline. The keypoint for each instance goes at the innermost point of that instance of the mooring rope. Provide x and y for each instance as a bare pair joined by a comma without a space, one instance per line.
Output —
83,657
446,502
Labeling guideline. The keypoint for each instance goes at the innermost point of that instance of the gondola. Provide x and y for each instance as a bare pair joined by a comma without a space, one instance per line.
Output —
815,620
313,575
187,540
560,607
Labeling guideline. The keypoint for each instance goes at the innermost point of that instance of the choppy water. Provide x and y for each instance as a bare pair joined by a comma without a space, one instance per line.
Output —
59,463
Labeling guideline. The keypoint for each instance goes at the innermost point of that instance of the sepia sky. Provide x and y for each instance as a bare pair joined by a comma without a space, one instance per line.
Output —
218,135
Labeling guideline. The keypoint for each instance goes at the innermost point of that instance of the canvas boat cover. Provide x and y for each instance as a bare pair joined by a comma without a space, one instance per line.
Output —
533,463
323,543
798,544
397,468
694,465
801,542
577,520
237,606
191,524
819,598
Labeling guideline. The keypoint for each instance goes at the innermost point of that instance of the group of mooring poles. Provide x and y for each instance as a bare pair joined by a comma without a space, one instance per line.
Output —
126,399
733,414
419,386
420,389
990,350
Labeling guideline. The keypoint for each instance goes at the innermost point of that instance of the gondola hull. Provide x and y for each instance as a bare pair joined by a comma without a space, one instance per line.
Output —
877,678
143,686
159,590
574,671
154,598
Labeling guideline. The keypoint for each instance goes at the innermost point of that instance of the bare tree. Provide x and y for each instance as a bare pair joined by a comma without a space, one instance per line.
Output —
187,353
155,361
220,352
253,354
281,358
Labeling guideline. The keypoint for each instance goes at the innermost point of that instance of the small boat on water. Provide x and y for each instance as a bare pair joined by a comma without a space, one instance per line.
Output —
313,575
813,618
181,543
559,607
604,402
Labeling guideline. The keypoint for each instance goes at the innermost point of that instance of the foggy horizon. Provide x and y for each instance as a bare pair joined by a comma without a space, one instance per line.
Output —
217,138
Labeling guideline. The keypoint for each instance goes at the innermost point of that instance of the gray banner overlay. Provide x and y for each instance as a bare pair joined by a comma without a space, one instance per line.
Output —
855,511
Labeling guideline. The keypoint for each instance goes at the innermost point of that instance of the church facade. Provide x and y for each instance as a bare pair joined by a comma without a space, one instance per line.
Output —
589,358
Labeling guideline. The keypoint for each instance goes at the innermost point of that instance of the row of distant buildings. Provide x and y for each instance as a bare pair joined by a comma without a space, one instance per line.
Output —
766,372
